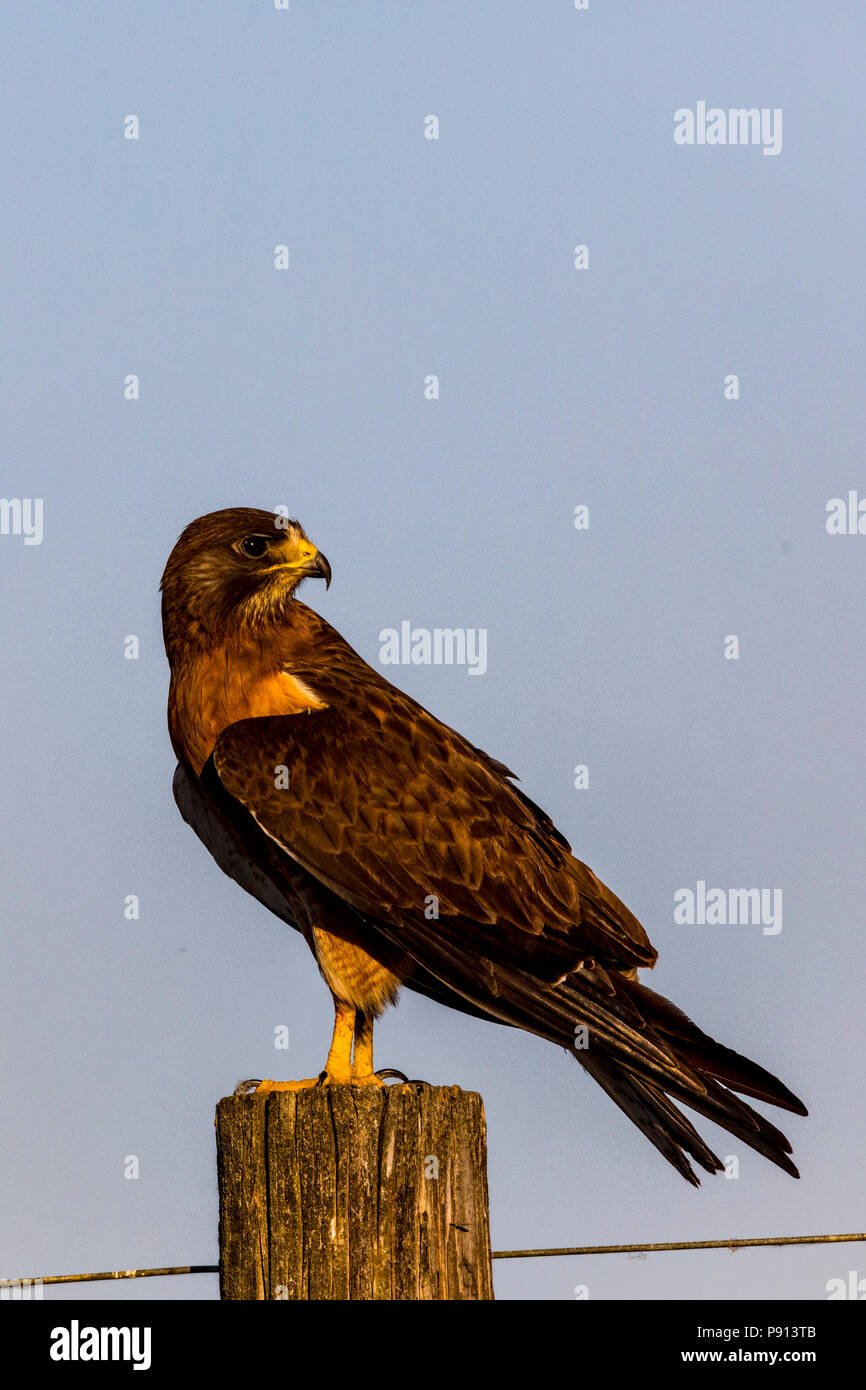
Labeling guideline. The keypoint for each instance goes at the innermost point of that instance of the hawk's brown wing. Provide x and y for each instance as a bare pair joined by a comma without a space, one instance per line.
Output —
411,825
390,809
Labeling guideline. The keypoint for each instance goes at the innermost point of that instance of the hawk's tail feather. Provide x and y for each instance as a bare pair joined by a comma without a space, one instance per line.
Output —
656,1116
708,1056
642,1088
746,1124
640,1048
700,1075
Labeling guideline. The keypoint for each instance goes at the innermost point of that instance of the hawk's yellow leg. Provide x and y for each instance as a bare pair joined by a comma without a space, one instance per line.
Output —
338,1067
362,1068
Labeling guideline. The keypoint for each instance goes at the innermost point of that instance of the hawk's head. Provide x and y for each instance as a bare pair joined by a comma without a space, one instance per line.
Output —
234,569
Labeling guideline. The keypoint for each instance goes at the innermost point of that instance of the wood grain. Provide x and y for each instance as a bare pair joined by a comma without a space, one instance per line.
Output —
340,1192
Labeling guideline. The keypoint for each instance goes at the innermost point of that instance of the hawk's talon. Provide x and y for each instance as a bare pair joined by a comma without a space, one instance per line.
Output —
246,1088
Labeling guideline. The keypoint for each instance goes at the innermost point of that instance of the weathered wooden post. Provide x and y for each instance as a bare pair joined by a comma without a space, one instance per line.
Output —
344,1192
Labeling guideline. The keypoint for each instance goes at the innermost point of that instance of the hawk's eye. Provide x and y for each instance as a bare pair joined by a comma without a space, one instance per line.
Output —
254,545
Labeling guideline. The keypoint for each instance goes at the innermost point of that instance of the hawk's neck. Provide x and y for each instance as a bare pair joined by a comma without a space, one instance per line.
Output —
213,687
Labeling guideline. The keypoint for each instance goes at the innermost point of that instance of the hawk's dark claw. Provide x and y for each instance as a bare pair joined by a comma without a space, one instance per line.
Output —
246,1088
398,1076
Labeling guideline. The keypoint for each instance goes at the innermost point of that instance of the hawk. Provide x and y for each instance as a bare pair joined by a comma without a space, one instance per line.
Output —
408,857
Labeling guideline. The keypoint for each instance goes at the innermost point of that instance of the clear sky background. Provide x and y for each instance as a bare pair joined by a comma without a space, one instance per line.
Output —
558,387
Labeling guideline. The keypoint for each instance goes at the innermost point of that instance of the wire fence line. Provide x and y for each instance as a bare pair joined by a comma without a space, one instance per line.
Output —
655,1248
678,1245
110,1274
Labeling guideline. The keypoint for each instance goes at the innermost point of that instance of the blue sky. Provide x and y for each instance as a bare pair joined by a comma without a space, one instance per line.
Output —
557,387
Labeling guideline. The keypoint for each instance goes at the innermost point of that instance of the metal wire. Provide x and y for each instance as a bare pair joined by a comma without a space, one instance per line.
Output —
496,1255
111,1274
675,1245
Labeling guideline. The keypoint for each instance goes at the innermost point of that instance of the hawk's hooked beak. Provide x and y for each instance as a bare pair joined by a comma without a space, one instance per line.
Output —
317,567
308,563
304,561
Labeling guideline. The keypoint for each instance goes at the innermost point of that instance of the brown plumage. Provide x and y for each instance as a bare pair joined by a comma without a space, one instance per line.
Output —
405,855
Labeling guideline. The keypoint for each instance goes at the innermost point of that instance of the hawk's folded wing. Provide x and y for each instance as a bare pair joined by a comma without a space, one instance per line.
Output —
390,812
397,813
